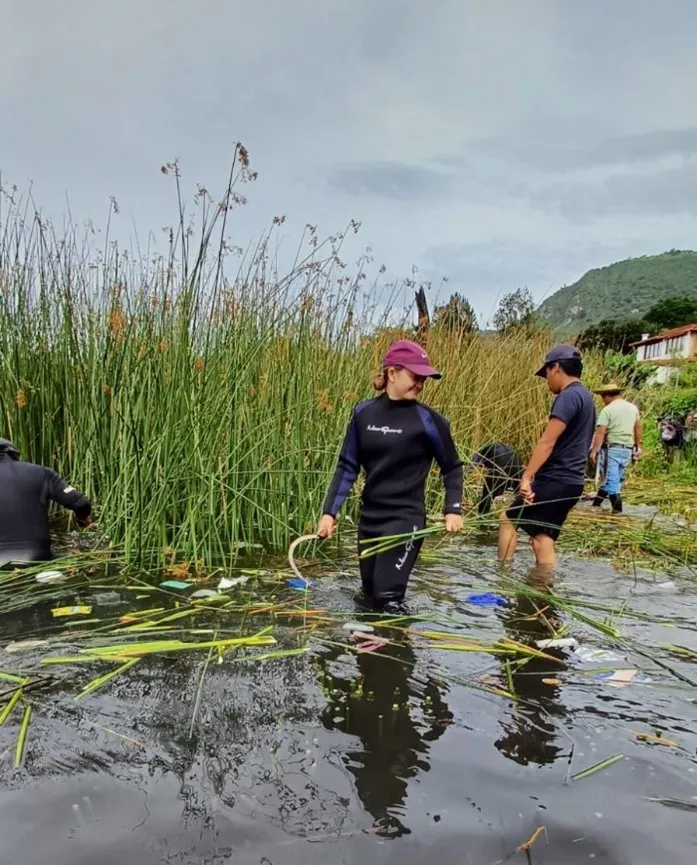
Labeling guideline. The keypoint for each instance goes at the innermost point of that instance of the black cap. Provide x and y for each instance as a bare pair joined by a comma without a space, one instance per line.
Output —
559,352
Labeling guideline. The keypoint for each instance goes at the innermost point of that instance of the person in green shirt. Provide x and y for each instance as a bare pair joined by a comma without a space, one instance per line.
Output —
617,441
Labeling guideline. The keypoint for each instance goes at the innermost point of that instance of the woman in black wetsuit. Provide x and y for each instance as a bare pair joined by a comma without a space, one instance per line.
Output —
395,439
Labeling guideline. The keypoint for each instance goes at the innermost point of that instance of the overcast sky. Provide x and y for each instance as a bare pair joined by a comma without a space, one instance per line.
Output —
496,142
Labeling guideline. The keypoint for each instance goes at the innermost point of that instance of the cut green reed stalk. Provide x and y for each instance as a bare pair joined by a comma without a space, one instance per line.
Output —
22,737
373,546
199,689
123,651
597,767
107,677
11,703
14,678
199,399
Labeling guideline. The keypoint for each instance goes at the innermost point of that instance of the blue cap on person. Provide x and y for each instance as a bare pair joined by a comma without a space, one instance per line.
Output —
563,351
411,356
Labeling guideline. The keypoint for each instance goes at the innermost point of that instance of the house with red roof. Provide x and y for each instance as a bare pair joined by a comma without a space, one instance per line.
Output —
668,350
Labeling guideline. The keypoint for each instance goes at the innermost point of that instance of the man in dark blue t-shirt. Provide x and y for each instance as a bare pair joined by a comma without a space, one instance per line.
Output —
553,479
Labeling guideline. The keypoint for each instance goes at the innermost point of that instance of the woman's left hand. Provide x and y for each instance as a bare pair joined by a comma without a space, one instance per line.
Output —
453,523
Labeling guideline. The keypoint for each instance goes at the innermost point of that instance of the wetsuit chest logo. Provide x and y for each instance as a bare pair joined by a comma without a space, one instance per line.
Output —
385,430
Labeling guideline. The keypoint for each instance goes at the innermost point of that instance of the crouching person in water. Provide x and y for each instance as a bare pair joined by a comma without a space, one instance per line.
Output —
503,471
25,492
395,438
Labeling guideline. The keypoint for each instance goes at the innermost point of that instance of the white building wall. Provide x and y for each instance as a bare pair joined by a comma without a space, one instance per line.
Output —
662,351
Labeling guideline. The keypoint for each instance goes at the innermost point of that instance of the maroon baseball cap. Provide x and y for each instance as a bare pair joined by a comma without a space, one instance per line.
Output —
411,356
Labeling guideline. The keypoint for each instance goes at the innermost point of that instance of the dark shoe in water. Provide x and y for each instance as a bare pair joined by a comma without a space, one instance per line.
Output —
364,601
393,608
616,504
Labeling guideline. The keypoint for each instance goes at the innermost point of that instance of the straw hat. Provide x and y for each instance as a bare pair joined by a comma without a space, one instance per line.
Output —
609,388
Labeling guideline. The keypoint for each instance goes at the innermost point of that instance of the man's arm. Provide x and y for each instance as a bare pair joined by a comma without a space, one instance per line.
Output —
600,433
638,433
555,427
68,497
598,439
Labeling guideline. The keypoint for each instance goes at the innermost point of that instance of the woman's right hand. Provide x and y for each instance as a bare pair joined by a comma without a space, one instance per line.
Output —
326,527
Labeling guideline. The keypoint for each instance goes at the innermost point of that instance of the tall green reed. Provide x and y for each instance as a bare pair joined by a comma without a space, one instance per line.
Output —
202,409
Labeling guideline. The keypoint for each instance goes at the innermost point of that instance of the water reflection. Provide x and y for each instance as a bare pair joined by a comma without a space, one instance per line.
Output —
395,712
530,732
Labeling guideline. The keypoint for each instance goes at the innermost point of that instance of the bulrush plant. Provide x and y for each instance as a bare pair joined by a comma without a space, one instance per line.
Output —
202,412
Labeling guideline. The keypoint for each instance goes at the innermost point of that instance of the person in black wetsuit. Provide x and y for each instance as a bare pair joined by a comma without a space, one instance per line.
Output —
25,492
503,471
395,439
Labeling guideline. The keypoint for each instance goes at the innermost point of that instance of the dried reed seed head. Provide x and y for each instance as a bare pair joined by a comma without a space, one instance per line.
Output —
117,323
20,399
323,401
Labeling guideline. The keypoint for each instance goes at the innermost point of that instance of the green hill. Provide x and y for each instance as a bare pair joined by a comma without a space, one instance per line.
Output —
626,289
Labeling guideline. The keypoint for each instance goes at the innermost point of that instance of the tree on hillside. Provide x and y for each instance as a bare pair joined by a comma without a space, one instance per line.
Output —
671,312
456,315
610,335
516,309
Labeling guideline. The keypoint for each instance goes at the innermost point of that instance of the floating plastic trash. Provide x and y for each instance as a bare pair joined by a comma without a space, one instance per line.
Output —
106,599
301,584
174,584
225,583
586,654
560,643
368,643
21,645
621,678
51,577
72,611
487,599
205,593
358,626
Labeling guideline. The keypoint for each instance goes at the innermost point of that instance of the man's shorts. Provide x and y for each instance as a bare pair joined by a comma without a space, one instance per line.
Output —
549,510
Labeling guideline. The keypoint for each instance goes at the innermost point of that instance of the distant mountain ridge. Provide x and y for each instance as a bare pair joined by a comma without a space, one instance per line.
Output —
625,289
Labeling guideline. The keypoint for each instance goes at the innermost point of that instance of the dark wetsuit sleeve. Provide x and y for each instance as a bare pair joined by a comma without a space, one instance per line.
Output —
347,470
446,455
60,491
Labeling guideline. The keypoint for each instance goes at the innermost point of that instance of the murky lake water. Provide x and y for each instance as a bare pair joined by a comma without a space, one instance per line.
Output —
391,756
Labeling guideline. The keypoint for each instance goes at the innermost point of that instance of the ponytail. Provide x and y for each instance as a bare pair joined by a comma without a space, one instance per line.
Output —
380,381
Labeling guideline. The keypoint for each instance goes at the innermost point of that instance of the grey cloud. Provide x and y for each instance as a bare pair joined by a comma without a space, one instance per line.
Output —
393,180
552,148
669,191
